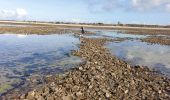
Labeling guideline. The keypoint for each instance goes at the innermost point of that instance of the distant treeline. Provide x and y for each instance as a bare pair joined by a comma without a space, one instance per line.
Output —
100,24
143,25
118,24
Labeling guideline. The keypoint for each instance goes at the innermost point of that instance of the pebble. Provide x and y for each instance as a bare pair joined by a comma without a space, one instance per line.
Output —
108,95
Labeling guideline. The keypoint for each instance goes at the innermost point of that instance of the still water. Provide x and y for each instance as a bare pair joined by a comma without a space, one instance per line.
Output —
140,53
136,52
113,34
23,55
14,25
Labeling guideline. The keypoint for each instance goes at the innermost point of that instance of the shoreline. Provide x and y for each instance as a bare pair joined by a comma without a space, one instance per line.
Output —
162,40
46,30
50,27
103,76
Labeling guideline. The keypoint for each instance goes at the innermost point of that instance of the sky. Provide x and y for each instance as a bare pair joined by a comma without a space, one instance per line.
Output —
105,11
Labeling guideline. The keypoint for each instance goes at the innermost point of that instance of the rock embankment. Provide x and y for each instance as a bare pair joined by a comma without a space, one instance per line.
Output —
102,77
163,40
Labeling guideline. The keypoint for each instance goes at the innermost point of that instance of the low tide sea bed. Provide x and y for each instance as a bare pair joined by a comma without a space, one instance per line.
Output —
103,76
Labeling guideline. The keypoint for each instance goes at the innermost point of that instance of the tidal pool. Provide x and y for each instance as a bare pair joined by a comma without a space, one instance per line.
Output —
113,34
23,55
140,53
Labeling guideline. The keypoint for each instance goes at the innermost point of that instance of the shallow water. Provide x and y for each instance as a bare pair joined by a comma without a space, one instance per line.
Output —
13,25
23,55
136,52
113,34
141,53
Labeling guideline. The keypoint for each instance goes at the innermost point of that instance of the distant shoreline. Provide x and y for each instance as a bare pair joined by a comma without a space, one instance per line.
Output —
106,26
47,27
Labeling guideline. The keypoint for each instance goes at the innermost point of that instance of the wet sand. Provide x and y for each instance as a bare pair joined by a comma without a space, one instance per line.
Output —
102,77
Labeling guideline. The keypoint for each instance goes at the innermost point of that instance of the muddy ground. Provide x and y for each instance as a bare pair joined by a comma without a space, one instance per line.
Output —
103,77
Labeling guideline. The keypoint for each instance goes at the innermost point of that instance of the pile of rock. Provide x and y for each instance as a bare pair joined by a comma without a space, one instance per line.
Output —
163,40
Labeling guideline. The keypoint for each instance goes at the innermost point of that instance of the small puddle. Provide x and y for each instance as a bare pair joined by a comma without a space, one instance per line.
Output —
23,55
141,53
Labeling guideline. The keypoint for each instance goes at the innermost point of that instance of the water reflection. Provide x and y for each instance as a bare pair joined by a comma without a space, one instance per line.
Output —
13,25
22,35
140,53
113,34
22,55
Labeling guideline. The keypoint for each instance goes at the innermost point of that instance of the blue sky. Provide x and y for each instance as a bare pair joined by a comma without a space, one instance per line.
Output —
107,11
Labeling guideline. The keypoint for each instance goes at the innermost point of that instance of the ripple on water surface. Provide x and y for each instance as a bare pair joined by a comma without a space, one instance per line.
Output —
22,55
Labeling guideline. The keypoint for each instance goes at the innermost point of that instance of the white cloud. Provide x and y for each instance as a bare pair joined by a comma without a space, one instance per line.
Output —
17,14
132,5
21,12
144,5
168,7
102,5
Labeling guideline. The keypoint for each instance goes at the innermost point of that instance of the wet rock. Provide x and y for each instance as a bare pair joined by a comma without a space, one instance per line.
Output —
69,97
80,68
23,96
30,95
108,95
126,91
75,88
78,94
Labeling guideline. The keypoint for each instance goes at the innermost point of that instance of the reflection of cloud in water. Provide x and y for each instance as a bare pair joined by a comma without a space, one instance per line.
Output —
112,34
21,36
155,56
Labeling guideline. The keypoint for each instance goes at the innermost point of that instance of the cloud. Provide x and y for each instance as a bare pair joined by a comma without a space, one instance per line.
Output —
146,5
130,5
102,5
21,12
17,14
168,8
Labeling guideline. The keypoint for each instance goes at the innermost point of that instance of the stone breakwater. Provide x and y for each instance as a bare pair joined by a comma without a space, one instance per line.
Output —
102,77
